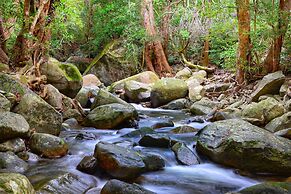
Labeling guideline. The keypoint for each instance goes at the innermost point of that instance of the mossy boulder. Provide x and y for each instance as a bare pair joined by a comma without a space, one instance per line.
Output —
239,144
10,84
104,97
268,188
110,116
39,114
12,126
64,76
279,123
5,104
263,111
15,183
184,73
48,146
166,90
147,77
270,84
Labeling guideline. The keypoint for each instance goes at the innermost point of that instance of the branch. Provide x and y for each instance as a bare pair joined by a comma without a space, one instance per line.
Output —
191,65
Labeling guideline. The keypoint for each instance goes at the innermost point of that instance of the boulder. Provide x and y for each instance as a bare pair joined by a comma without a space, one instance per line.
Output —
9,162
13,145
86,94
88,165
104,97
264,111
15,183
153,162
217,87
39,114
147,77
119,187
166,90
196,91
137,91
139,132
237,143
10,84
178,104
64,76
5,104
184,74
67,183
73,113
12,126
279,123
48,146
156,140
184,155
91,80
119,162
270,84
286,133
203,107
110,116
199,76
268,188
53,96
184,129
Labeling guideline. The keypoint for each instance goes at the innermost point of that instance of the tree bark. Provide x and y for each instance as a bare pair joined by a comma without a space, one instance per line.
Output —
205,54
155,57
272,61
243,60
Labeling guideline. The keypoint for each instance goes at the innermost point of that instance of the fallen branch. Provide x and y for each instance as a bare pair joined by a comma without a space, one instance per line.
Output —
191,65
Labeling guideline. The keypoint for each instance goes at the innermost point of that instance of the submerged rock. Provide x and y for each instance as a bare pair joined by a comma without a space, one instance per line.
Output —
118,187
88,165
15,183
64,76
12,126
9,162
166,90
184,155
67,184
239,144
110,116
156,140
39,114
47,145
270,84
119,162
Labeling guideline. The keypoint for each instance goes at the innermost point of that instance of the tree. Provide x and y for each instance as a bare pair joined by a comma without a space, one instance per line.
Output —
272,61
244,52
154,55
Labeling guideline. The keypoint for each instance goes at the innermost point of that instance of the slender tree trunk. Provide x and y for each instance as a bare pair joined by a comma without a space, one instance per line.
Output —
243,60
3,55
154,52
272,61
205,54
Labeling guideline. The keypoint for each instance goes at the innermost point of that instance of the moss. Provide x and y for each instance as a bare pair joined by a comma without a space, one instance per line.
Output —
71,72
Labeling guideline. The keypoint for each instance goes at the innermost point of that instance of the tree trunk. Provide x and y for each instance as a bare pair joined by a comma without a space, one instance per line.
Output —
272,61
155,57
3,56
243,60
205,54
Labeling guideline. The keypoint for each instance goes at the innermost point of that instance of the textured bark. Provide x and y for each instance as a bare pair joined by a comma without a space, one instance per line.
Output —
243,60
155,57
272,61
205,54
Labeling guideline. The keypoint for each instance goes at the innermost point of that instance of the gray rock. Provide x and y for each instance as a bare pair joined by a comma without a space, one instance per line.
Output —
118,187
239,144
268,188
286,133
9,162
166,90
67,184
184,129
217,87
156,140
47,145
103,98
137,91
10,84
270,84
13,145
53,96
124,163
178,104
85,95
12,126
110,116
153,162
184,155
5,104
15,183
39,114
140,132
184,73
279,123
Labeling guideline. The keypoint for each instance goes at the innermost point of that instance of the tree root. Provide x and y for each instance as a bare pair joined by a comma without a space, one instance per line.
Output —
192,66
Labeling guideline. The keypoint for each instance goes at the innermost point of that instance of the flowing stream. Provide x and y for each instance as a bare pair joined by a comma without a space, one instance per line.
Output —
207,177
